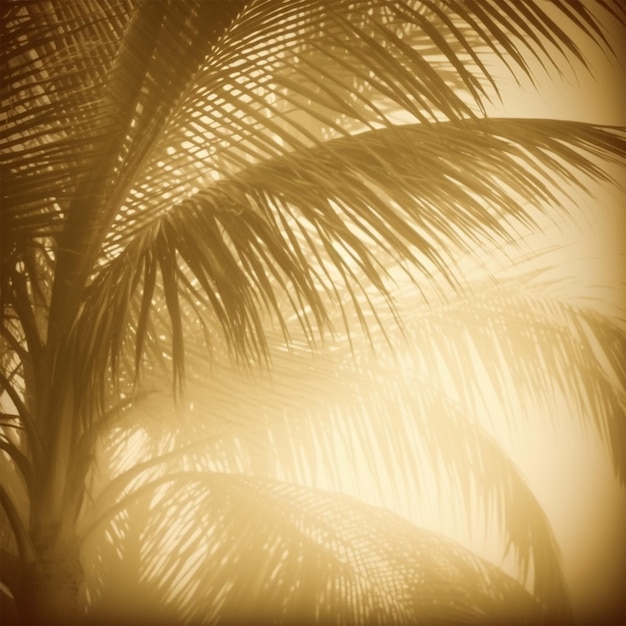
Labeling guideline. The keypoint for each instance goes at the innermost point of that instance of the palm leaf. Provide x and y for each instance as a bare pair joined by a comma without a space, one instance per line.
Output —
396,436
256,56
321,217
386,401
314,554
251,102
202,83
54,59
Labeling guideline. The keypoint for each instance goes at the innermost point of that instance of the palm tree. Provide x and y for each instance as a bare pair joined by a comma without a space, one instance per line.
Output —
196,182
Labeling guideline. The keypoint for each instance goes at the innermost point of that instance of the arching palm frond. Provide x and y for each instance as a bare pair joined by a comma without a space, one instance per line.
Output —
374,435
265,550
353,418
318,218
179,114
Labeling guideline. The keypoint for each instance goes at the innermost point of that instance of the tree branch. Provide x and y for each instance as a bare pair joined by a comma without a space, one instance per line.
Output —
22,306
23,412
20,459
14,343
27,550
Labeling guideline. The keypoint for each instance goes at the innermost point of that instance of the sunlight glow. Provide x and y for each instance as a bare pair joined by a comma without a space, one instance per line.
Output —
564,465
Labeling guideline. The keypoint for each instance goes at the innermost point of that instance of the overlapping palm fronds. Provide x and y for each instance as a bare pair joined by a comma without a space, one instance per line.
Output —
261,551
395,412
243,165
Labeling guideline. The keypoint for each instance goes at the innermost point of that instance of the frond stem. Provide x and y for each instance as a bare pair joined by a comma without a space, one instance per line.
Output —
26,548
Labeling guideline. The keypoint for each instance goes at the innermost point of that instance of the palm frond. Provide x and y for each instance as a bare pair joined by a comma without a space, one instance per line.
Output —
394,436
304,223
394,407
247,164
231,99
531,348
287,78
54,59
310,555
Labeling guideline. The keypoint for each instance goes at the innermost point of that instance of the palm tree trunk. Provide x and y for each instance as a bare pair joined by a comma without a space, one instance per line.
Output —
48,589
49,581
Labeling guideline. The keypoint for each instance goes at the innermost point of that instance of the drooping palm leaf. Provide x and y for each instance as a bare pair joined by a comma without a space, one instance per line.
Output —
316,218
391,410
256,48
266,550
187,86
368,432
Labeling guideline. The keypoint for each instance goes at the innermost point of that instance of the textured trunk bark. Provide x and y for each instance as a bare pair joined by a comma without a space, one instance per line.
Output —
48,591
